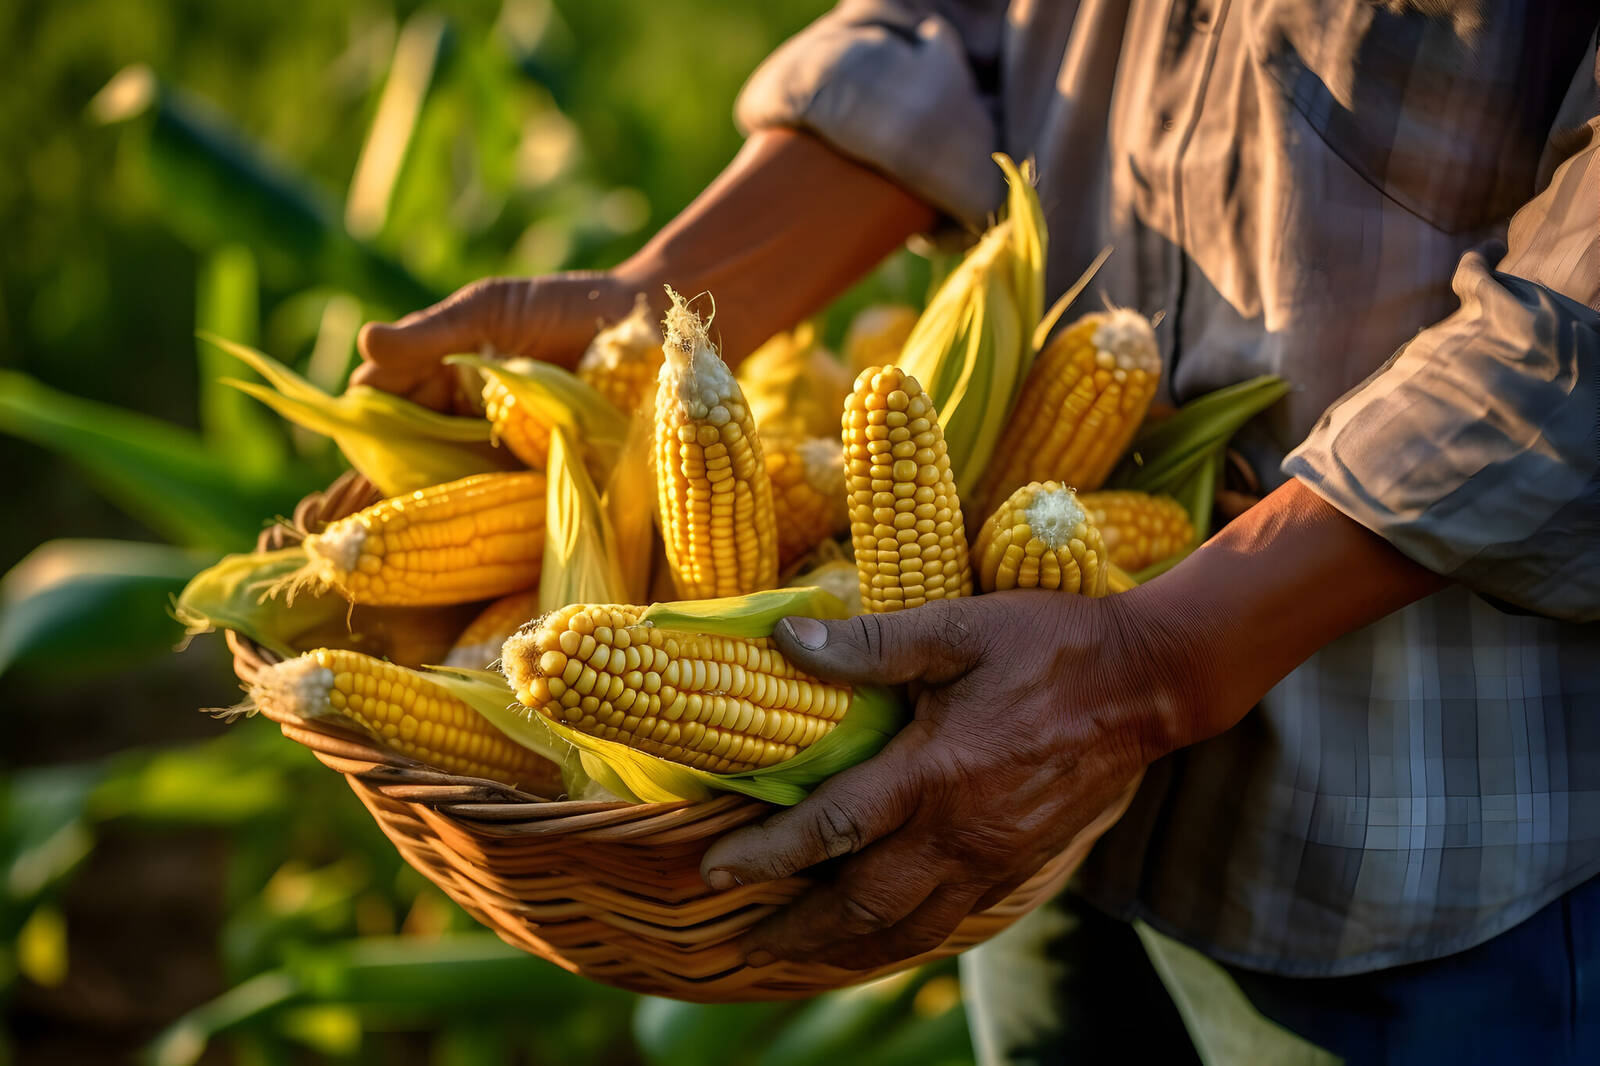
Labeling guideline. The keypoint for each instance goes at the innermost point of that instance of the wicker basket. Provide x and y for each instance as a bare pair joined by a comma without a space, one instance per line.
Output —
608,890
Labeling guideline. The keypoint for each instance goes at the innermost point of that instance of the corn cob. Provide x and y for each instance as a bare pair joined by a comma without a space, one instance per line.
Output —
793,386
524,433
905,514
807,492
714,495
406,711
479,644
465,540
718,703
623,360
877,334
1139,529
1041,537
1080,405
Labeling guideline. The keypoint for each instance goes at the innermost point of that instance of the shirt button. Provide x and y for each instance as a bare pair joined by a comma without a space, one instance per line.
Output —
1202,18
1166,122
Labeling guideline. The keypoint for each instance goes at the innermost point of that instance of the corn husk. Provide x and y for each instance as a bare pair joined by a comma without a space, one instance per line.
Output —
875,714
580,550
794,386
973,345
560,398
234,594
1182,455
398,445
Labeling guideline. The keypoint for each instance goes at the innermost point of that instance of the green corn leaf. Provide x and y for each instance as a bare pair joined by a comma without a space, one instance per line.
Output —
580,547
216,186
673,1033
1183,455
226,303
91,606
164,476
400,446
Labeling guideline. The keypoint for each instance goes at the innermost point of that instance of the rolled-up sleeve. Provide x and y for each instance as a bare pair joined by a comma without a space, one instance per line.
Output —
1476,449
891,83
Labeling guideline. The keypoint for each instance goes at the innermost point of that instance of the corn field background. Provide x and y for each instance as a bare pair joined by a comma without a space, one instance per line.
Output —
174,889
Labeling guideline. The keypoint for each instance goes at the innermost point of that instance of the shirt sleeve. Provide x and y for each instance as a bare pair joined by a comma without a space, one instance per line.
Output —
1476,449
895,84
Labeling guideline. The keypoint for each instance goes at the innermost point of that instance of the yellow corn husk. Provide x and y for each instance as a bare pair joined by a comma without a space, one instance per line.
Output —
793,386
905,512
1041,537
622,361
1139,529
719,703
406,711
526,399
478,645
715,500
877,334
1118,579
472,539
973,344
807,492
1081,405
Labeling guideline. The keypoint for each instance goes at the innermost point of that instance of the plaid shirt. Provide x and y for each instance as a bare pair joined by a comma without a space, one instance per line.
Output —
1395,206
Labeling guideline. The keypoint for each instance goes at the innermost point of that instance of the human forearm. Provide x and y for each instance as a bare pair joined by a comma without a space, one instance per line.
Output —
1284,579
787,226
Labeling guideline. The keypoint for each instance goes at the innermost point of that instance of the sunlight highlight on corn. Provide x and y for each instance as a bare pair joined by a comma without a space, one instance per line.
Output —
478,645
1080,405
406,711
718,703
807,492
715,500
472,539
1041,537
622,361
1139,529
905,514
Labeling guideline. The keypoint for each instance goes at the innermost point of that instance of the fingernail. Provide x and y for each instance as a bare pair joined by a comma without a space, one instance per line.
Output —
721,879
760,958
807,632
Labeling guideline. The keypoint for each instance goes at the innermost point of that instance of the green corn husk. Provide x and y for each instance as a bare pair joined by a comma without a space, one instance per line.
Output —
233,595
1182,455
398,445
973,345
875,714
563,400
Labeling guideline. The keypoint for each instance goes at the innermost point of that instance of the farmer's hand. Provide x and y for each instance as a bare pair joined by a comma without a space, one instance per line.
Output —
551,318
1036,711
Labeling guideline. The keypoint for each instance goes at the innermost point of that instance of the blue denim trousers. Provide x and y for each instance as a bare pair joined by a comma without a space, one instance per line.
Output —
1072,985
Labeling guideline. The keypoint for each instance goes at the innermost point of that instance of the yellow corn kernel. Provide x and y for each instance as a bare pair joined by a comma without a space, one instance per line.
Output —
525,433
807,492
479,644
905,515
473,539
877,335
1139,529
622,361
404,710
1079,407
1041,537
719,703
715,500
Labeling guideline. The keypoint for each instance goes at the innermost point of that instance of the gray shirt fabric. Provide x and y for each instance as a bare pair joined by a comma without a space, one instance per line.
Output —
1396,207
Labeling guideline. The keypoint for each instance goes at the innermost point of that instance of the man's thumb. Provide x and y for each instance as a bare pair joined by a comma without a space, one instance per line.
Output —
933,643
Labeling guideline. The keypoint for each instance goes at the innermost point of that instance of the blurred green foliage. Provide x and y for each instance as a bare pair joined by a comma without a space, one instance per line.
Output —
277,174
